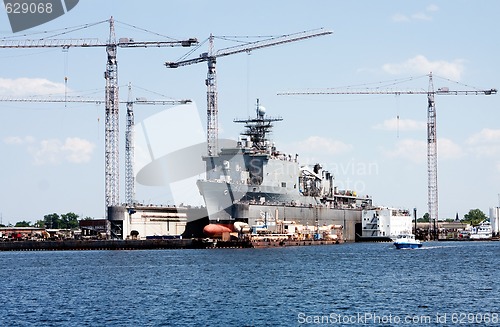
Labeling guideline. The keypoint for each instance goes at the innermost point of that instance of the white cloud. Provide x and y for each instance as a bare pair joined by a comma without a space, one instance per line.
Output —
408,149
416,150
432,8
318,144
396,124
17,140
486,135
417,16
486,143
55,151
421,16
421,65
77,150
46,152
29,86
400,18
447,149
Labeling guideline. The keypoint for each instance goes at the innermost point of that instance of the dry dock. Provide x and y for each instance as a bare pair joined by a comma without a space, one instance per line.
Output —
76,245
102,245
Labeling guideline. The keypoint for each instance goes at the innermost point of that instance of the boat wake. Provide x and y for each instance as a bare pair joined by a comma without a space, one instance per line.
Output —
437,247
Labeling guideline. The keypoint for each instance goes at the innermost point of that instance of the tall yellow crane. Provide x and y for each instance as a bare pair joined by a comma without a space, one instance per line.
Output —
211,82
432,190
111,171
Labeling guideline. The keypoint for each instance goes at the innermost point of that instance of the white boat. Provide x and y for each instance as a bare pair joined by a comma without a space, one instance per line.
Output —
407,241
482,232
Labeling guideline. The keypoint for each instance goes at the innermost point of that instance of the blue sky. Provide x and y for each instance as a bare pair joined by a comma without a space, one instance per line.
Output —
53,154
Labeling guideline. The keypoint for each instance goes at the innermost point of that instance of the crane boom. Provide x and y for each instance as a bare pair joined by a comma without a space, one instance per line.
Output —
442,91
54,100
111,101
272,41
250,46
432,191
91,42
211,81
95,101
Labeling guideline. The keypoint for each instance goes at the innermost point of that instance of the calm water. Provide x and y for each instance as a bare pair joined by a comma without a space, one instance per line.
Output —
442,284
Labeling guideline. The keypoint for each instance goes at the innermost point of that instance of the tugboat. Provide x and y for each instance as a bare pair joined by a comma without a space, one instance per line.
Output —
407,241
255,184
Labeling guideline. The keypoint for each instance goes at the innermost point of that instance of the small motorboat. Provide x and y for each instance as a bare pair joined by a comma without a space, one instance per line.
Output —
407,241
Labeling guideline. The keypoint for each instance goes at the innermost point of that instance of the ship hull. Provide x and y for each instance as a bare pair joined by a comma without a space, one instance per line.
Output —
226,204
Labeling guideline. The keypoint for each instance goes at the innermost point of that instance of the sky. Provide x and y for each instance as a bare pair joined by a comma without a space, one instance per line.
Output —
53,154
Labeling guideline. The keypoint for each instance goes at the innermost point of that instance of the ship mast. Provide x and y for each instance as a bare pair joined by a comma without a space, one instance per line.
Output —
257,128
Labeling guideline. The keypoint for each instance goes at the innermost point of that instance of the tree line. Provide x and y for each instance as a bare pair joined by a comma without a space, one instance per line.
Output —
53,221
474,217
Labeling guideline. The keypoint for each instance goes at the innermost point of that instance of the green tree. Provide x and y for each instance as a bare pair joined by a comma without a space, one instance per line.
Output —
52,220
23,224
474,217
39,224
424,219
69,220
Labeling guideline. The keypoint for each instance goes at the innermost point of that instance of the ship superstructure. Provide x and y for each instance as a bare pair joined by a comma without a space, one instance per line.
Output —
253,182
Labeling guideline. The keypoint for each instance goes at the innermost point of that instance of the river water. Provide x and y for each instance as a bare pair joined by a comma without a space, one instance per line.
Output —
354,284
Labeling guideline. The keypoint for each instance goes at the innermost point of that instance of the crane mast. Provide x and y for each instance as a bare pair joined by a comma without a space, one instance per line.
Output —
111,171
211,81
129,150
432,182
432,170
111,148
212,108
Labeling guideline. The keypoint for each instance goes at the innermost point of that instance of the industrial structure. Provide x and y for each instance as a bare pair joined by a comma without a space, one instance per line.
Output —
111,171
431,130
211,82
135,219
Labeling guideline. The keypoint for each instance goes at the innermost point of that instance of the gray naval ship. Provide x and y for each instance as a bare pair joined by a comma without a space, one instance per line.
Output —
255,184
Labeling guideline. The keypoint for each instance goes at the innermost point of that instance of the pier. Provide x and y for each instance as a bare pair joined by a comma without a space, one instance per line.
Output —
63,245
151,244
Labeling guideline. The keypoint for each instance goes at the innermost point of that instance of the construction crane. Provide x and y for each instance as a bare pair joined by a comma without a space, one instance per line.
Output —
129,131
211,82
432,191
129,139
111,171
